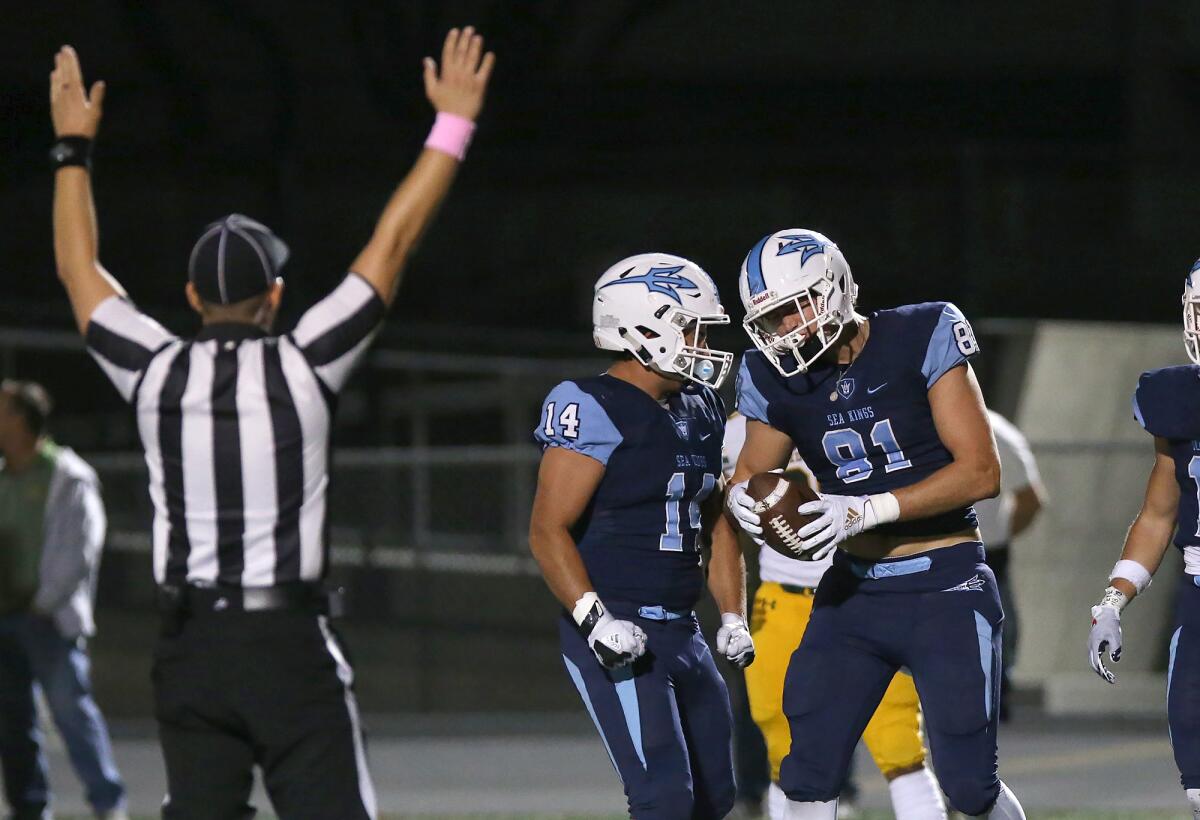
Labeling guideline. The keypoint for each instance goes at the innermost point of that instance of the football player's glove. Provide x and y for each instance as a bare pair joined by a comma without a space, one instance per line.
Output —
741,507
1105,635
615,643
842,517
734,640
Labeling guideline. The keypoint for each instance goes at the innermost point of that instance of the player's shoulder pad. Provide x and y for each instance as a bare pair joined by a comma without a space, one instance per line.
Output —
574,418
950,338
754,373
1167,402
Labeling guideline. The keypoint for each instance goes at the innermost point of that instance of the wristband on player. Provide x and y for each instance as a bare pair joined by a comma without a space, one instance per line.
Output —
1114,598
587,613
71,151
1133,572
884,508
451,134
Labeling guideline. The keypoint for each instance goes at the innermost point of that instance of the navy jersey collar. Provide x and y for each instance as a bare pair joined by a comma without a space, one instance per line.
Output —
230,332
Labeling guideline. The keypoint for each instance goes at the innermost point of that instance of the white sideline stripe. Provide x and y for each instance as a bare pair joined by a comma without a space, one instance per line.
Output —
384,556
365,788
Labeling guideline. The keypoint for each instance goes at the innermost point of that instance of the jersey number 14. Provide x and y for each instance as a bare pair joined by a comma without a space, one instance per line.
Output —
677,534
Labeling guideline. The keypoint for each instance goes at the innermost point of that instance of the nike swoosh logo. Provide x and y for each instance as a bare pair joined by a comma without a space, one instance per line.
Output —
873,390
703,436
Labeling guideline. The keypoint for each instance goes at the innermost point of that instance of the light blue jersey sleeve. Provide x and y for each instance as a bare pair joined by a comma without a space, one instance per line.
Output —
750,402
574,420
951,344
1137,410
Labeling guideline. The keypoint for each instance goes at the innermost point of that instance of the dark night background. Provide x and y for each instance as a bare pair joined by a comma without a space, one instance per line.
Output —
1022,159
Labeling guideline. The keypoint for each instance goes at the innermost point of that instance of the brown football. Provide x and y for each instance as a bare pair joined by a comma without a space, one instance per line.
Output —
776,498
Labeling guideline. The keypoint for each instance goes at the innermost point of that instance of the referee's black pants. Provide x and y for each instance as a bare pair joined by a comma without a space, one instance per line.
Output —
234,689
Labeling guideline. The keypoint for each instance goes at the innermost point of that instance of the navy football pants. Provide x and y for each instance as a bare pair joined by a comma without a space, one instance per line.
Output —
1183,683
665,721
938,615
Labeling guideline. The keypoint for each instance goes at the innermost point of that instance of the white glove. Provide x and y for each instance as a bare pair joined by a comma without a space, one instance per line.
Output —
1105,635
741,505
842,517
734,641
614,643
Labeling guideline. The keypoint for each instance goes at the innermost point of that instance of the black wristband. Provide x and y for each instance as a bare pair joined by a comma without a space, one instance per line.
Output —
590,620
71,151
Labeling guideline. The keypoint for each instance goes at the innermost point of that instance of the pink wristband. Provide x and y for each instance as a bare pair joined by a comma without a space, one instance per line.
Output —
451,134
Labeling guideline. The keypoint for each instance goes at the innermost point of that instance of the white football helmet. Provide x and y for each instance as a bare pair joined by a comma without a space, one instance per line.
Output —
644,304
1191,313
796,271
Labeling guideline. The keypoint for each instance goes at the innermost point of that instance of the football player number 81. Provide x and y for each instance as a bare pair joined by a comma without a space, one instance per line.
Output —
964,337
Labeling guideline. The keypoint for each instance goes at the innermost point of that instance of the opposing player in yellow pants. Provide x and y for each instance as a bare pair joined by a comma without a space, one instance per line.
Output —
782,607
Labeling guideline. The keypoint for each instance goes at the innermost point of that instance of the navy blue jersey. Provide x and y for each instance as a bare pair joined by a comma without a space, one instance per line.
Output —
1167,403
870,429
639,536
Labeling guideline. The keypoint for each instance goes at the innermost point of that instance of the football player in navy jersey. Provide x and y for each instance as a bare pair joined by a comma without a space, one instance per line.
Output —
886,412
1167,404
629,476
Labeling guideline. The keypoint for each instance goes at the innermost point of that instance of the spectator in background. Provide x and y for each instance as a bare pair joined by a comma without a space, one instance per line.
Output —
52,527
1003,518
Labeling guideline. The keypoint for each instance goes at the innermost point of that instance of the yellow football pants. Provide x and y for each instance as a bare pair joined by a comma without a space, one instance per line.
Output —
778,622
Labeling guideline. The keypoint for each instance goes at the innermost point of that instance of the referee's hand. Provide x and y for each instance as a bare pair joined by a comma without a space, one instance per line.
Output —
464,75
74,111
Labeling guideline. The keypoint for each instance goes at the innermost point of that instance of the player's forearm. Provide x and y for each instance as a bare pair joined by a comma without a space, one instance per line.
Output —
76,238
408,213
956,485
76,244
727,569
562,566
1146,543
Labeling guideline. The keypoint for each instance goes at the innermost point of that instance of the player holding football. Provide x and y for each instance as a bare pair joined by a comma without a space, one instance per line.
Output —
780,613
631,460
1165,403
886,412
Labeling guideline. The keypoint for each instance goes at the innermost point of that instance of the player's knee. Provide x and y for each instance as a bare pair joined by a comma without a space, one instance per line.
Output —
971,795
665,801
809,783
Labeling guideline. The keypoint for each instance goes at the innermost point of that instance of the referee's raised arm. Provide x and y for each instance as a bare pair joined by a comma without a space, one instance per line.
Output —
76,113
457,94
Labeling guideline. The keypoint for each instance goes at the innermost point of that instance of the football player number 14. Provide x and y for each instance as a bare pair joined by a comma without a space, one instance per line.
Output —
673,539
676,534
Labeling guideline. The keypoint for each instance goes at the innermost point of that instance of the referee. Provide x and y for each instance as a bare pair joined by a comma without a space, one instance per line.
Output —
235,424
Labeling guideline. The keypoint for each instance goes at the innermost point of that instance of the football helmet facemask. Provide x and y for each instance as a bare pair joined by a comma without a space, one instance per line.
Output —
658,307
796,272
1191,313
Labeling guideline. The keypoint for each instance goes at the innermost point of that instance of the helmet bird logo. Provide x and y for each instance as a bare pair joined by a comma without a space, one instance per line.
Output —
804,244
661,280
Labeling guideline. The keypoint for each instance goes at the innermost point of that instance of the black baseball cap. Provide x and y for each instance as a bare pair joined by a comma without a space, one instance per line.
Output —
234,259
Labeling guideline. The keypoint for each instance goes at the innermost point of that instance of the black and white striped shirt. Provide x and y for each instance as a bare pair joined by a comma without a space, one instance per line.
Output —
236,428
